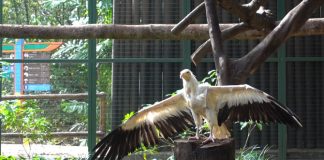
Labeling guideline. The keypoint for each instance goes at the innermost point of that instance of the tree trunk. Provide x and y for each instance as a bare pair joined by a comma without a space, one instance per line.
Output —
193,150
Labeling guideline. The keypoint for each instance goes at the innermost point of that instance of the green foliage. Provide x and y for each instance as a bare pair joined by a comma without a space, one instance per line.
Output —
7,80
211,77
254,153
67,78
79,111
146,150
25,117
127,116
5,74
74,106
35,157
2,157
250,123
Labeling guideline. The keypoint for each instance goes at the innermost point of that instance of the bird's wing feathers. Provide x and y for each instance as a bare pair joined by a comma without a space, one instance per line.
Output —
243,103
166,118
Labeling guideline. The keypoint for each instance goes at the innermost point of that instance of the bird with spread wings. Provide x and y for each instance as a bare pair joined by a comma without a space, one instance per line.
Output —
189,107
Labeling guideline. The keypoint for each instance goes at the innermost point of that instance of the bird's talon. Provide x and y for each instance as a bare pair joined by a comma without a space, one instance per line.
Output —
208,140
194,138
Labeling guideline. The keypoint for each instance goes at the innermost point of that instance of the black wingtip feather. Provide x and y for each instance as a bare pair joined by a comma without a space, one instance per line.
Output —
119,142
289,116
271,111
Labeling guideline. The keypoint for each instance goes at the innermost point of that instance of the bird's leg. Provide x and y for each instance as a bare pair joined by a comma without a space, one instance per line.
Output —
212,120
198,122
196,137
211,136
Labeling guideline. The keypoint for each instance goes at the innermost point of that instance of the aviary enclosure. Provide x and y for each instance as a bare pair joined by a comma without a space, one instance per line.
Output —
141,65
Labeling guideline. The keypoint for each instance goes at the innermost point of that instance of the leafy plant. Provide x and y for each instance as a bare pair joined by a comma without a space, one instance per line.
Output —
251,126
7,157
79,111
211,78
128,116
6,77
25,117
254,153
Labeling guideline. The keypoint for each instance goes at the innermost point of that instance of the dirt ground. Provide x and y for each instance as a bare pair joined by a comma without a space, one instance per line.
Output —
45,150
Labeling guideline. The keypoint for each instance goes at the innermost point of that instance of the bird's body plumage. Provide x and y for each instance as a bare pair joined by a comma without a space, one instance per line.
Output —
192,104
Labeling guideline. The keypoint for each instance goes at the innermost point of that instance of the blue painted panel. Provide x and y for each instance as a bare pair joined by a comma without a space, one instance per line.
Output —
18,66
37,87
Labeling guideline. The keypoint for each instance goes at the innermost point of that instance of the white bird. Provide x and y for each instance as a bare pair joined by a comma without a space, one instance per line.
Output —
189,107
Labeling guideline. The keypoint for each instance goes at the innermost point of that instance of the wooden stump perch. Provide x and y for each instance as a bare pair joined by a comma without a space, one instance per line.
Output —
194,150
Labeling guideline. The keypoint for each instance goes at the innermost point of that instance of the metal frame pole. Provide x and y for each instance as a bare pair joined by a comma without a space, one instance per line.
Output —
1,14
282,129
186,44
92,77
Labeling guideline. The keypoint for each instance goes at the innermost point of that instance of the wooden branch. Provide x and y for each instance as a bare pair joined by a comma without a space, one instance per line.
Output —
254,5
51,96
220,58
228,33
255,20
103,111
188,19
291,23
154,31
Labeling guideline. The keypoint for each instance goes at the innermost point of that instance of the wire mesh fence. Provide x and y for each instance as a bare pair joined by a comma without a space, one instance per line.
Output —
150,71
299,69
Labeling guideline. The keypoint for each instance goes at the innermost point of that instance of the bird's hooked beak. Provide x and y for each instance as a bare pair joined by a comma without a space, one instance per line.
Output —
185,74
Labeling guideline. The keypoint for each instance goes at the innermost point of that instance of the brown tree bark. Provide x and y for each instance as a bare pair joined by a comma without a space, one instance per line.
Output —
220,57
313,26
193,150
236,72
291,23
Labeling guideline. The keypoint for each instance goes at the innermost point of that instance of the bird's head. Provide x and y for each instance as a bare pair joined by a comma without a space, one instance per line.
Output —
186,74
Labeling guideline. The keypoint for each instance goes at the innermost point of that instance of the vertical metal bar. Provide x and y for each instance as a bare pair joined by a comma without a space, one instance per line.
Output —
282,129
1,11
186,44
92,77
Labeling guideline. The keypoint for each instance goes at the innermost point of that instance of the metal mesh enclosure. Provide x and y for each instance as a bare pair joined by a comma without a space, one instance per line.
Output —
135,84
147,81
89,90
48,100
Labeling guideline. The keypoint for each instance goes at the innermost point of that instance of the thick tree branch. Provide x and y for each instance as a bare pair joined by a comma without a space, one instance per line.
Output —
254,5
290,24
251,7
228,33
244,12
220,58
188,19
154,31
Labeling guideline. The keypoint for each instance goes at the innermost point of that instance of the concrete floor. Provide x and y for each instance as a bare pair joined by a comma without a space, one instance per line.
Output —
44,150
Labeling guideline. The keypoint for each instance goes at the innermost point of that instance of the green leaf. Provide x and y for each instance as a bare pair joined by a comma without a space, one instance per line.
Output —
128,116
243,125
259,126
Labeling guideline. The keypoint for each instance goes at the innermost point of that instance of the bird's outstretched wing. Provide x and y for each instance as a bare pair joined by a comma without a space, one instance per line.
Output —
244,103
165,118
